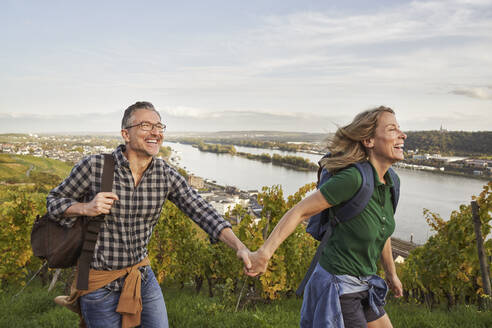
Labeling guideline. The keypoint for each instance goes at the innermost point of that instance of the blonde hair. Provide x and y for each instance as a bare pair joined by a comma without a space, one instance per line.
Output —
346,145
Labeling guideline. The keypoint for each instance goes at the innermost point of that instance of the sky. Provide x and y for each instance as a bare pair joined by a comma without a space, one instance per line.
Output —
287,65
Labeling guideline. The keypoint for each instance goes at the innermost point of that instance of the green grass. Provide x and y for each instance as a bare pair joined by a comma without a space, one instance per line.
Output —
187,309
418,316
35,308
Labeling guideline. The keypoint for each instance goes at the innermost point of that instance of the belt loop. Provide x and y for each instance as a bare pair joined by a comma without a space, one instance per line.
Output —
145,272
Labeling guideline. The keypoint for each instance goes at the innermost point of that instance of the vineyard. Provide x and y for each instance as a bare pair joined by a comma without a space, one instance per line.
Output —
443,271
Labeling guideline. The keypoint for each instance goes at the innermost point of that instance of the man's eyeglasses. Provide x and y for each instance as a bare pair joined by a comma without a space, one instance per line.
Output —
147,126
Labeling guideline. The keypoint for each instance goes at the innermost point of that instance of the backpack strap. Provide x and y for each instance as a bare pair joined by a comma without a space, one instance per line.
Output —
359,201
395,190
320,169
93,226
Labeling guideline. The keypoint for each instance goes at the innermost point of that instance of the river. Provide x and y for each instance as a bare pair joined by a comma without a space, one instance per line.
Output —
419,189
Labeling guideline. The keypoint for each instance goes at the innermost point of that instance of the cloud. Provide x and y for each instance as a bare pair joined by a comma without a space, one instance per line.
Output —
255,120
416,55
63,123
226,121
421,45
483,93
182,111
204,121
338,44
417,20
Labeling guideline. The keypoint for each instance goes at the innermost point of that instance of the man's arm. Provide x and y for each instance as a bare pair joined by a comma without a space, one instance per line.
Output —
200,211
64,201
194,206
390,270
69,192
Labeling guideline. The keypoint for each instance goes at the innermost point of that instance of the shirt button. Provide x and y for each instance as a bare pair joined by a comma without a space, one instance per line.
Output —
384,218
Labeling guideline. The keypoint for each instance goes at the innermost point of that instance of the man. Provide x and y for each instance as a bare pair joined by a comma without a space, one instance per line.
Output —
141,185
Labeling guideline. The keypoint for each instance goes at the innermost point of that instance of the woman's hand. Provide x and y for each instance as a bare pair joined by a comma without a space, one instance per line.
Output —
394,284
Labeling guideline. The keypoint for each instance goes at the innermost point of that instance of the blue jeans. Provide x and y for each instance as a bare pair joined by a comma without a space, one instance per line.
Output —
99,307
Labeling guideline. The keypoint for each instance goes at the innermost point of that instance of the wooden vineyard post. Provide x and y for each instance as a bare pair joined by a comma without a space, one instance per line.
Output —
484,266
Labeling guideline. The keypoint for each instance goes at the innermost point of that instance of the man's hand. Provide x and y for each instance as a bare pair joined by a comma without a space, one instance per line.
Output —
243,254
394,284
101,204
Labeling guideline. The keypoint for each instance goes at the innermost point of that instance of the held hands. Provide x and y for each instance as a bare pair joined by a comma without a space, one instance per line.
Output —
101,204
258,263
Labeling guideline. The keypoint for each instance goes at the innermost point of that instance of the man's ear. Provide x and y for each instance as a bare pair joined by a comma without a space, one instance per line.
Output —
368,143
125,135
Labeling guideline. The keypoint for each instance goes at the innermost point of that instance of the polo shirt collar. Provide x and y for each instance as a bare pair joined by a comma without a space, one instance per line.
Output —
387,178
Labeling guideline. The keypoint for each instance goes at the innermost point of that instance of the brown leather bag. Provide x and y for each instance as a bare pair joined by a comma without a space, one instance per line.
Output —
59,245
62,247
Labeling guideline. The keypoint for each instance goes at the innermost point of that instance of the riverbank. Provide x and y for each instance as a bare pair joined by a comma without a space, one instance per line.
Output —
436,170
297,163
300,163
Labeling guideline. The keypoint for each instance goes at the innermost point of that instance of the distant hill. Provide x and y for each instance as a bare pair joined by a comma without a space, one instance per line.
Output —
15,168
278,136
458,143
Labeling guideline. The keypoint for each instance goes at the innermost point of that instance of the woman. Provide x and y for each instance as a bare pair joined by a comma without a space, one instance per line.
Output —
344,283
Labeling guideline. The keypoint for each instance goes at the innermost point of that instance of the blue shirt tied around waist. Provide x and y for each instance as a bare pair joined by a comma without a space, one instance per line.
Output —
321,305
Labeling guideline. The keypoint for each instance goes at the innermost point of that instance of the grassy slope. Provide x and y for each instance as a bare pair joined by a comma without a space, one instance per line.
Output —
14,167
35,308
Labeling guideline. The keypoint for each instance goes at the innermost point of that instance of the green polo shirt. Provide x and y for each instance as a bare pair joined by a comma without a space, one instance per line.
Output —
355,246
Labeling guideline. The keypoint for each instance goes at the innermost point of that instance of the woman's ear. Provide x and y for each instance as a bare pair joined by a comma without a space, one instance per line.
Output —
368,143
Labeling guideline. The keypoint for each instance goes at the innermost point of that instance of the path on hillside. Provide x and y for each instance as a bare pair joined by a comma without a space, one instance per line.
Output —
31,167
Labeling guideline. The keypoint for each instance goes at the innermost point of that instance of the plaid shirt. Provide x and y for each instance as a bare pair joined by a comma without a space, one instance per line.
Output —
126,231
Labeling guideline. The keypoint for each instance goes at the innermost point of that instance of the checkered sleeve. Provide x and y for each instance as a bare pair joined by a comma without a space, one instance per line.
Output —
193,205
70,191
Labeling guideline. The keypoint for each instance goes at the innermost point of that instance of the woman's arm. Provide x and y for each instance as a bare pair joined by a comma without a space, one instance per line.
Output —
392,279
306,208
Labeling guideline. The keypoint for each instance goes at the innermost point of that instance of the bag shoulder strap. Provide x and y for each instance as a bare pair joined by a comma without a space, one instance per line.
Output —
93,226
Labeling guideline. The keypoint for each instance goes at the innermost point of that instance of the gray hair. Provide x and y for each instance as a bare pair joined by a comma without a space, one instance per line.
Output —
133,108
